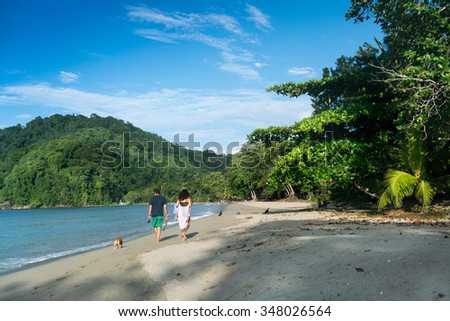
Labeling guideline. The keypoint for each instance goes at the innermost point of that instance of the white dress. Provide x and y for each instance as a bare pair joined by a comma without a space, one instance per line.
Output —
183,216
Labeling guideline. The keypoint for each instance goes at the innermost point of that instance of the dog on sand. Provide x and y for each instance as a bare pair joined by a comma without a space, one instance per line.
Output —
118,243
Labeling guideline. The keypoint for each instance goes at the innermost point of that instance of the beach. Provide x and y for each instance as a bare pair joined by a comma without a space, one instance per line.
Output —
292,252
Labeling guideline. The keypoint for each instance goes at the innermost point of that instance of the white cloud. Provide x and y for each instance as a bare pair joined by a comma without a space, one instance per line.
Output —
173,37
238,55
306,72
68,77
153,34
214,42
244,71
226,22
260,20
14,72
219,31
185,21
259,64
144,14
240,62
222,116
24,116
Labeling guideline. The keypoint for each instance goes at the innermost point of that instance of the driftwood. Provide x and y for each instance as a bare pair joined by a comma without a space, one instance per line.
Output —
365,190
289,190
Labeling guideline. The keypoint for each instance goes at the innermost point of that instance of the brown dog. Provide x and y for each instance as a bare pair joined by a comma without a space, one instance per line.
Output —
118,242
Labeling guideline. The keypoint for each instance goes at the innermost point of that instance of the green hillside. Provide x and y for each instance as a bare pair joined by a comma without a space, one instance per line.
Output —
78,161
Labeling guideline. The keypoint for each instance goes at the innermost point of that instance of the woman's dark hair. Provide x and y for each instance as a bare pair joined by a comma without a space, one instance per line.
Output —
184,194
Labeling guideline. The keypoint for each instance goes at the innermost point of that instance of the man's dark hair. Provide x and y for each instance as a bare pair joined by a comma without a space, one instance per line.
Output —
157,191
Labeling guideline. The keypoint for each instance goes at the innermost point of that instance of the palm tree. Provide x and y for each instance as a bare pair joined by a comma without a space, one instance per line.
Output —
401,184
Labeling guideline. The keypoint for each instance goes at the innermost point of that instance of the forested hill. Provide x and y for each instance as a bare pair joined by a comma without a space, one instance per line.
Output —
75,160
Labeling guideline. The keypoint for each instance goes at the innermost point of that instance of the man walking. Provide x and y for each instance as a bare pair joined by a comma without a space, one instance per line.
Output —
156,209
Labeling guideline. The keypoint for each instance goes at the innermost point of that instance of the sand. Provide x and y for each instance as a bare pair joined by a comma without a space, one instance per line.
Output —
293,252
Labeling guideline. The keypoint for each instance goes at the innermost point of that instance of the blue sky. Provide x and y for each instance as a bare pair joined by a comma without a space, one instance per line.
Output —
170,66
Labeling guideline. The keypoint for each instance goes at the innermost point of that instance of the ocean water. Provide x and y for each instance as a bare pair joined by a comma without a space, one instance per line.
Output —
37,235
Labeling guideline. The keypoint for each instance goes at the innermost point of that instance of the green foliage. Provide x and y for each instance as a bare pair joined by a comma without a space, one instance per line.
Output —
78,161
270,135
367,106
315,168
248,171
417,62
344,144
319,123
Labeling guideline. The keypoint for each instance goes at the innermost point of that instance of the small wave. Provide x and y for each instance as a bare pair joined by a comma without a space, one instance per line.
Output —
8,264
202,216
15,263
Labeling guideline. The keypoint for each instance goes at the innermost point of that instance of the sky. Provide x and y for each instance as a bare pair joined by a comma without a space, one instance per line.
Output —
187,70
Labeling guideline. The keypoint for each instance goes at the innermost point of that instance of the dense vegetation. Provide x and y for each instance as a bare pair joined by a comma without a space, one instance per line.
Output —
381,118
379,132
77,161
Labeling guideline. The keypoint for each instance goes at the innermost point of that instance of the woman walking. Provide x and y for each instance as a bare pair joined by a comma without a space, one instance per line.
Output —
184,212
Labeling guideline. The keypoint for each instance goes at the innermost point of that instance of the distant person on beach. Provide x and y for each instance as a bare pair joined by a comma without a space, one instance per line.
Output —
184,212
156,209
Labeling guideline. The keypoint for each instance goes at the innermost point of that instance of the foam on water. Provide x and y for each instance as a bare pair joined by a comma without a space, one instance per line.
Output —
33,236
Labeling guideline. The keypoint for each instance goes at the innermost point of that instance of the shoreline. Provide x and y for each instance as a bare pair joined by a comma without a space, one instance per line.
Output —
54,279
291,253
30,207
81,252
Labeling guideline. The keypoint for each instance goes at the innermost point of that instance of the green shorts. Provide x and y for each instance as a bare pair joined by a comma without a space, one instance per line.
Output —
157,221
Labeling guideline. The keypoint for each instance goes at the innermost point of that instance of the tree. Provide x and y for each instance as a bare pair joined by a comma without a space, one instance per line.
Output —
417,62
352,122
416,66
247,175
376,100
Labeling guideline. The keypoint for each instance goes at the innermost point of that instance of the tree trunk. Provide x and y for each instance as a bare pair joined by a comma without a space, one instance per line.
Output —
289,190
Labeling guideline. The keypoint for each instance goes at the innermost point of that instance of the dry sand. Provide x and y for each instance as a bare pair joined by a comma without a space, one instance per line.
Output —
291,253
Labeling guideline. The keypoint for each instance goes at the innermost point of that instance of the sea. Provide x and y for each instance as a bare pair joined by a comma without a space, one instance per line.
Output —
37,235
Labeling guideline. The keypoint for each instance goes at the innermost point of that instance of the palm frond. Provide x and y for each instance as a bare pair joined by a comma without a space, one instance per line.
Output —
425,192
398,186
385,199
417,155
401,184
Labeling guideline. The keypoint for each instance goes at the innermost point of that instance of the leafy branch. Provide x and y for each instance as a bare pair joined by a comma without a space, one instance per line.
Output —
429,96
